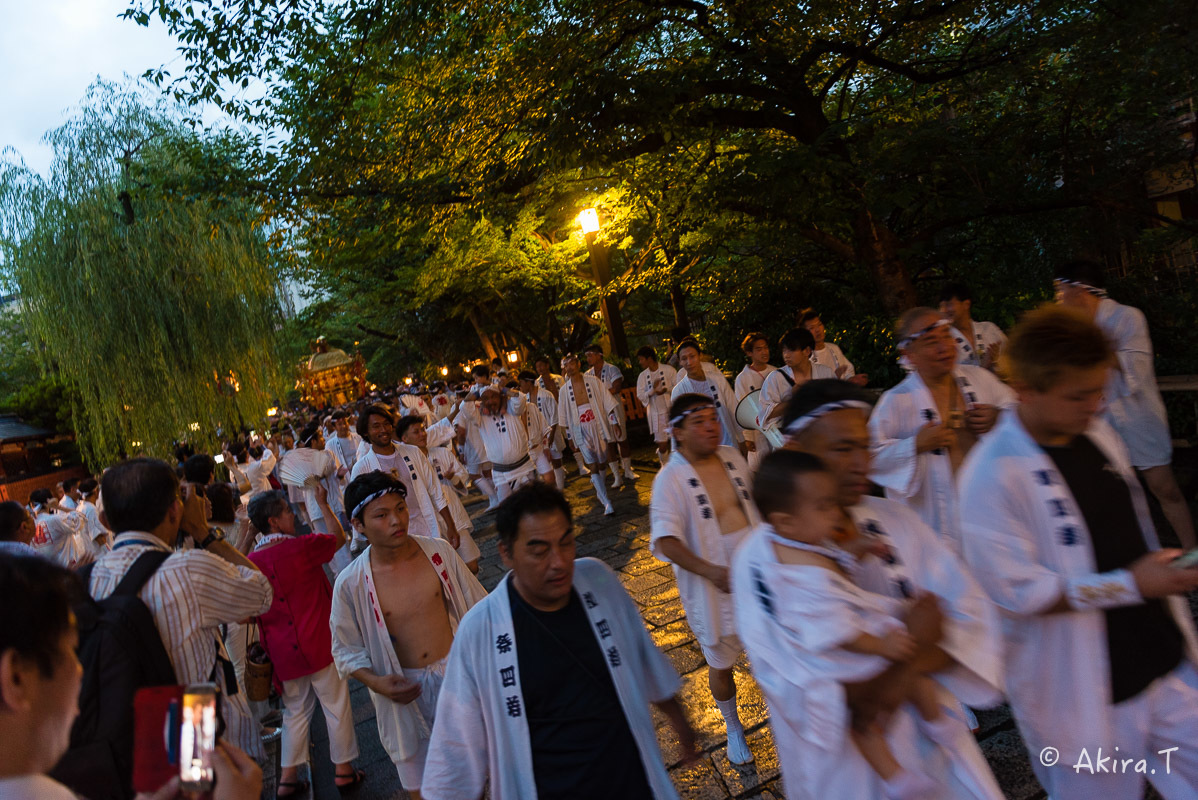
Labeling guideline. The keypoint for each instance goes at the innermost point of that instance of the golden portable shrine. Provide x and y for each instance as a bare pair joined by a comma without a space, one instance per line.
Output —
331,377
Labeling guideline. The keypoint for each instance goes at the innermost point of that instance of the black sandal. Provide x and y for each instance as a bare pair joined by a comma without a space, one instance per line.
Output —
297,788
358,776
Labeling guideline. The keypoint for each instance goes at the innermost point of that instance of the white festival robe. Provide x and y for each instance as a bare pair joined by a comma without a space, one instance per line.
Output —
748,380
1027,542
504,435
361,639
925,481
447,467
808,713
546,405
601,402
680,507
345,449
608,376
833,358
776,390
424,499
481,731
1134,407
716,387
984,335
558,443
657,406
440,433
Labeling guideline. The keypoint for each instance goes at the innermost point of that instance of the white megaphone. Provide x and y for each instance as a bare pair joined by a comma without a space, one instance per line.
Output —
747,412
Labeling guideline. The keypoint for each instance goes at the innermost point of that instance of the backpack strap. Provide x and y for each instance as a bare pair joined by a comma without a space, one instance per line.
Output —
787,378
137,575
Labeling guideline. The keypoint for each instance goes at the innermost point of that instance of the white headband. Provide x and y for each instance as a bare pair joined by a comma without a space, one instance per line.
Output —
911,337
1094,290
676,421
799,424
360,507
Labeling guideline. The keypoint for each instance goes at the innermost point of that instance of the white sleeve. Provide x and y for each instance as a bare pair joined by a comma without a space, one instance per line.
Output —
728,399
644,388
348,645
457,764
850,370
771,392
428,476
896,464
1134,354
667,514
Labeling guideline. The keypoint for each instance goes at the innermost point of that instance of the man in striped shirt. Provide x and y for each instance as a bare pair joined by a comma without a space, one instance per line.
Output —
194,591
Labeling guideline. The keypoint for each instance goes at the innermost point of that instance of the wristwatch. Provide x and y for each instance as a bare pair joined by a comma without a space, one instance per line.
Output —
214,535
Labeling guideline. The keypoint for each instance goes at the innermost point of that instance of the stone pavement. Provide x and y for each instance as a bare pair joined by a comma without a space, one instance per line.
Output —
622,541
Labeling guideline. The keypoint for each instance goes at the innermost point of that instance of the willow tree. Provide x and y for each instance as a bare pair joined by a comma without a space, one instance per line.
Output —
154,300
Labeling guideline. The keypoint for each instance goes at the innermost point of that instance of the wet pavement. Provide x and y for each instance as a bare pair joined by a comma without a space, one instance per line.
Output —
622,542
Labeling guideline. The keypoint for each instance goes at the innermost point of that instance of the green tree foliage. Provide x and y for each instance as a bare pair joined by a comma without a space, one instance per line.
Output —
855,153
152,302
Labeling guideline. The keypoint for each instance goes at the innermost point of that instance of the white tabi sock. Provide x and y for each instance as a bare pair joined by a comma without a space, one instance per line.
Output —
559,475
601,492
617,479
738,747
582,467
627,462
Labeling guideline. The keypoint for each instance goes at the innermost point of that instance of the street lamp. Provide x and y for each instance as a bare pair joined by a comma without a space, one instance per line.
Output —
588,220
513,357
444,372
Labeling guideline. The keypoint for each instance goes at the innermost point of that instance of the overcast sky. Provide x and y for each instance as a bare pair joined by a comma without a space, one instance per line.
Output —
52,50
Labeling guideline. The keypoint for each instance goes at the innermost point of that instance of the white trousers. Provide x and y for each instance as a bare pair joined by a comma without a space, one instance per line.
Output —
508,482
299,703
1158,726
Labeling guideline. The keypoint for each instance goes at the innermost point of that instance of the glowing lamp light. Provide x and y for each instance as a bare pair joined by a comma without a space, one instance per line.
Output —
444,372
588,220
408,380
135,444
272,411
513,357
195,426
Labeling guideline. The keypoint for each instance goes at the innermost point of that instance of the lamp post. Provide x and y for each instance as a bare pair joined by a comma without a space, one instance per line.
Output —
588,220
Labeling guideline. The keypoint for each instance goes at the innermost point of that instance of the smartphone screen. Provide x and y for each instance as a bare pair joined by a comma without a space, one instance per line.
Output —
197,737
219,459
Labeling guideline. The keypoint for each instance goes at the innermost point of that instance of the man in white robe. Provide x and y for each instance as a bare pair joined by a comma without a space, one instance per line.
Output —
474,452
653,388
697,376
979,344
551,677
393,634
545,405
827,353
498,416
552,383
430,512
699,512
1100,642
344,443
756,348
1134,407
587,412
411,431
958,634
613,379
59,537
923,428
797,345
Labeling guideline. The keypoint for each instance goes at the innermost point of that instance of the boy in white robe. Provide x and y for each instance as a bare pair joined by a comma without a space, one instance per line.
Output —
587,411
978,343
699,512
430,512
957,634
923,428
545,405
756,348
653,387
827,353
498,416
538,433
1100,643
552,383
1134,407
551,677
99,538
697,376
613,379
797,345
395,612
411,431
